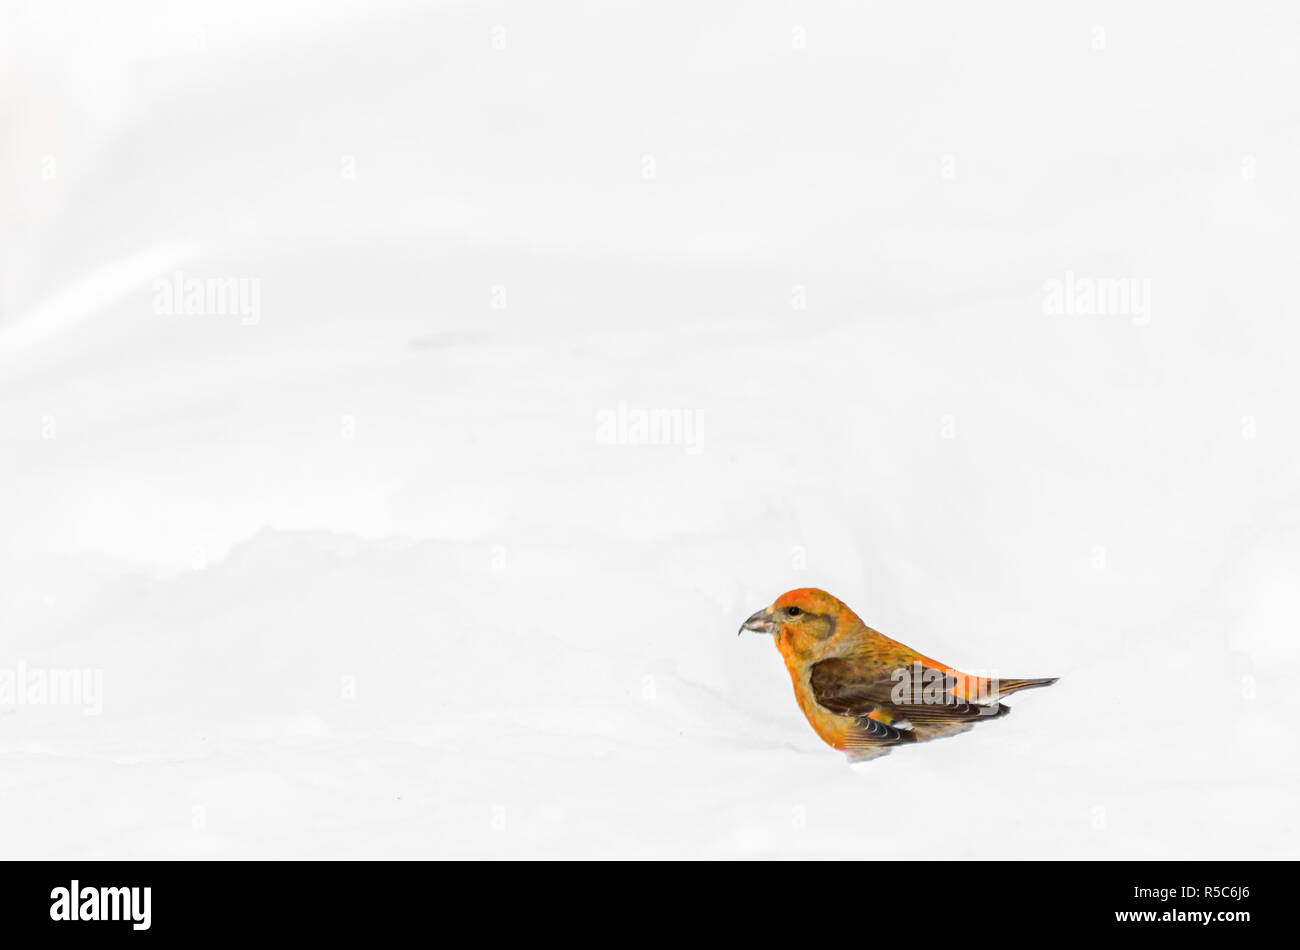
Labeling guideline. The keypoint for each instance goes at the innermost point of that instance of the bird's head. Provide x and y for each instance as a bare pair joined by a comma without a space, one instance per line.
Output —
802,615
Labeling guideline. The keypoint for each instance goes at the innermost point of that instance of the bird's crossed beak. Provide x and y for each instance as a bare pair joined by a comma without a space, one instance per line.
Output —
760,622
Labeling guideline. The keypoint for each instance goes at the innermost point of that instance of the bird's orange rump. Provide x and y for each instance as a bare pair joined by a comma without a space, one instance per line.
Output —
864,693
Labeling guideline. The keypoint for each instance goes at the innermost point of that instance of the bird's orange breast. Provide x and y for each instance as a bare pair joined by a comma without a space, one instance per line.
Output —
832,728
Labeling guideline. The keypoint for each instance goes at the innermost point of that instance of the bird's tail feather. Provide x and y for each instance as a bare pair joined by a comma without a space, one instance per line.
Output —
1007,687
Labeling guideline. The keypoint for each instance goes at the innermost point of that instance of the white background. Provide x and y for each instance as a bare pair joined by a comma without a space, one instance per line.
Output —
363,579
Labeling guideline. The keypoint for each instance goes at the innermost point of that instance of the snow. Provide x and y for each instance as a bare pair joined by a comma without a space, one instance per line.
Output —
381,569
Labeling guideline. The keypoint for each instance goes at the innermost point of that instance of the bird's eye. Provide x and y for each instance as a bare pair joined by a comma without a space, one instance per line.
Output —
793,611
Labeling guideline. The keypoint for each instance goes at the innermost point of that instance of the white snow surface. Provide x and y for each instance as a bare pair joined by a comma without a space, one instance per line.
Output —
365,578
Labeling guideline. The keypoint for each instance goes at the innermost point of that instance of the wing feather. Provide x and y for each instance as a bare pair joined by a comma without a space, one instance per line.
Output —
858,688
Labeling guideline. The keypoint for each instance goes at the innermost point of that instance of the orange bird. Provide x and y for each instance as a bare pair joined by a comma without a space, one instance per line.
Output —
863,692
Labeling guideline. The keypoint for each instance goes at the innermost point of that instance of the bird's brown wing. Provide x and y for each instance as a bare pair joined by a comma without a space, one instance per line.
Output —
860,689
